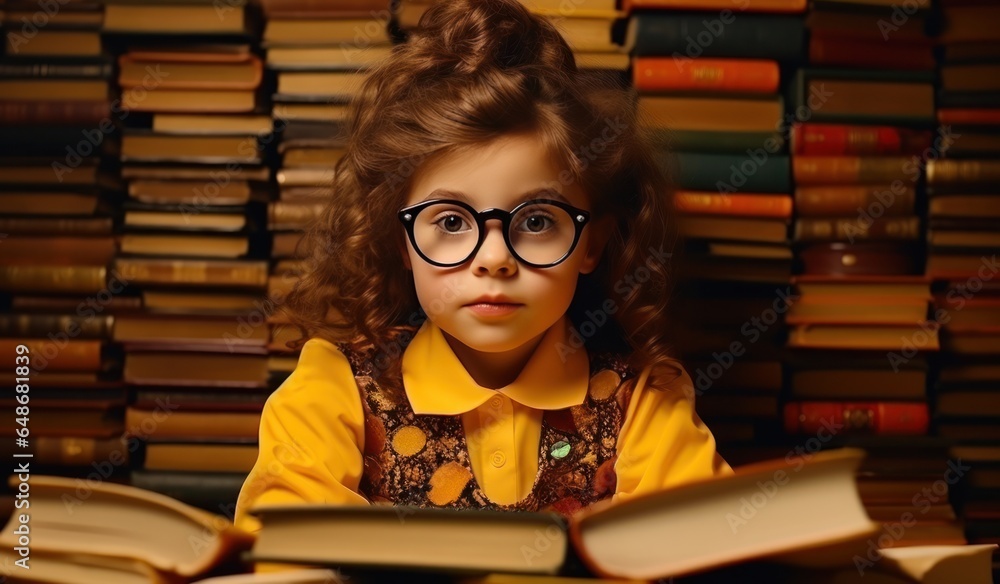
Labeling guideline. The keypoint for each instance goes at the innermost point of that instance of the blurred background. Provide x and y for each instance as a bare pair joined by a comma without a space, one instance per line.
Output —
837,166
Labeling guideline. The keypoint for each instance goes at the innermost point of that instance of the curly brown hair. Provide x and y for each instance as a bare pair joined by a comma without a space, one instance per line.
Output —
473,71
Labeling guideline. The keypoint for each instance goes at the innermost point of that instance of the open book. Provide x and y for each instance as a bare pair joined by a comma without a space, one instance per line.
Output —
777,508
115,533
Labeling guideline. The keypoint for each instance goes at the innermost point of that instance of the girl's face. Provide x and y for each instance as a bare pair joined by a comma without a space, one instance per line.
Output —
498,175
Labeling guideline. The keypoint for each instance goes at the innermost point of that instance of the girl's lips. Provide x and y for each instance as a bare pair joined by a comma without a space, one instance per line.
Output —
493,308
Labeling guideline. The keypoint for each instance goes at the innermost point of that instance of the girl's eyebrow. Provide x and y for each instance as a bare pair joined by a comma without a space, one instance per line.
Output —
540,192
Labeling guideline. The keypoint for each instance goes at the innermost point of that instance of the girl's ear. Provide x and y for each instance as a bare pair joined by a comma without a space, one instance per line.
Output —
600,232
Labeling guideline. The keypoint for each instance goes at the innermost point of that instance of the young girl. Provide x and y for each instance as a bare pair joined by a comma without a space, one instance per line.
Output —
486,297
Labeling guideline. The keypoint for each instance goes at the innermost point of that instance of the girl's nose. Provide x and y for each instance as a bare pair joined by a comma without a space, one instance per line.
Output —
493,256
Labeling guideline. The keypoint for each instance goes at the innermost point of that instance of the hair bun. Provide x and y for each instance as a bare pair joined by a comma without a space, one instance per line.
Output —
470,35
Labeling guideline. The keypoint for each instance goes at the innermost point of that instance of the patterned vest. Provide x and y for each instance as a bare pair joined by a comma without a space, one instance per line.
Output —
423,460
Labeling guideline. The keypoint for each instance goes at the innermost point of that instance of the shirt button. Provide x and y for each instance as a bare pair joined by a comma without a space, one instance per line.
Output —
496,403
498,459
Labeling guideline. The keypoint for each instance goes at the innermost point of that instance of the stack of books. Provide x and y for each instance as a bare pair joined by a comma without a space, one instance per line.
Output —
864,130
963,241
57,212
708,77
192,242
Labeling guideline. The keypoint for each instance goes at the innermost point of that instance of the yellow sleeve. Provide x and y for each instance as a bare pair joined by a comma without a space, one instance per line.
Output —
311,437
663,442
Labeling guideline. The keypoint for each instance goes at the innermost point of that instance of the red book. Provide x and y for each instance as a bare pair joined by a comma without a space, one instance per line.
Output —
726,75
990,116
856,140
744,204
877,417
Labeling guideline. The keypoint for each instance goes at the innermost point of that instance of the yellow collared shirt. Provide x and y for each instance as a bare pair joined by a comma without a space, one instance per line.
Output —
312,427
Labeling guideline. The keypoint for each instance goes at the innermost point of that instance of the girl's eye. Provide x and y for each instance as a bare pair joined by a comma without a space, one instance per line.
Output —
536,223
451,223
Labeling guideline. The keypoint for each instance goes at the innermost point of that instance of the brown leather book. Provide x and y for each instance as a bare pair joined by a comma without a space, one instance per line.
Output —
964,206
135,330
731,228
854,229
68,112
185,244
230,273
181,18
179,148
53,279
190,100
186,425
317,8
200,457
93,226
22,250
870,258
842,200
196,74
53,43
48,203
181,368
858,384
922,337
68,355
711,114
189,192
966,172
201,172
852,170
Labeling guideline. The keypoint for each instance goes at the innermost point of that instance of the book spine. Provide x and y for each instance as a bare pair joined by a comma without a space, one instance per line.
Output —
285,215
724,75
852,229
855,140
57,225
64,251
753,205
826,201
843,52
193,272
732,173
363,8
789,6
37,279
40,325
752,36
73,451
971,116
54,70
962,171
72,355
878,417
26,113
827,170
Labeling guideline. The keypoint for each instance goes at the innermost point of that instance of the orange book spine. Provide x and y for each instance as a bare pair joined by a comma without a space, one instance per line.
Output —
743,204
683,74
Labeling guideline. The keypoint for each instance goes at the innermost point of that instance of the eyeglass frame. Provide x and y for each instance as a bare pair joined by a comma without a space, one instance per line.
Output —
408,215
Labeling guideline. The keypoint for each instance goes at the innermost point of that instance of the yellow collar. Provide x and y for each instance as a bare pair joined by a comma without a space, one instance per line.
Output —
556,375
